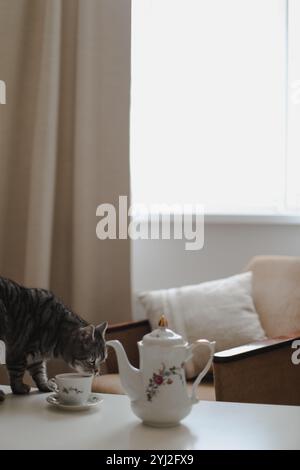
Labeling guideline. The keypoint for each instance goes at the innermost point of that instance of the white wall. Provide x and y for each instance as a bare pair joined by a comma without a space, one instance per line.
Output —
159,264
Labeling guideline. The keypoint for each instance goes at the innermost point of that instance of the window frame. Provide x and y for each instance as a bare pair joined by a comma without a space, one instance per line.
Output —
284,217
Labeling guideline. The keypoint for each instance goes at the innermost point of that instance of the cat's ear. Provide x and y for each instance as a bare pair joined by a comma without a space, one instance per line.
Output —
100,329
87,333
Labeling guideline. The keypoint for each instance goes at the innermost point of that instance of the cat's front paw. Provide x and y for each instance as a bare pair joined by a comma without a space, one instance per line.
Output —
20,389
2,395
44,388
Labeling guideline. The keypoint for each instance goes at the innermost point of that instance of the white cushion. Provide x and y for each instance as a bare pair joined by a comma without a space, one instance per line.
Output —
221,311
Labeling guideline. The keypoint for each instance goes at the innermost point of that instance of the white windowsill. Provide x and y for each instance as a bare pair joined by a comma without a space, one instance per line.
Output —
255,219
263,219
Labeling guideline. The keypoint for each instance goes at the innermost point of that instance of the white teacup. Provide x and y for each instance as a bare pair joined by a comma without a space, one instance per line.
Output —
72,388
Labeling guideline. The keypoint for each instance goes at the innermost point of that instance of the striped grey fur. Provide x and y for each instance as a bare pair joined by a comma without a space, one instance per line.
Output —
36,326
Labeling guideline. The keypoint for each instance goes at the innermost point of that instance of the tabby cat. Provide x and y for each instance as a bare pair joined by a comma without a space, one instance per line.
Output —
36,326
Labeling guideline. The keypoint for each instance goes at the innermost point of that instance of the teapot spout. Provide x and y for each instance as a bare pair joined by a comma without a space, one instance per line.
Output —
131,379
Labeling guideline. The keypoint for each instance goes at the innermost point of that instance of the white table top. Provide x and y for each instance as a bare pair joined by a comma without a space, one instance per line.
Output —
30,423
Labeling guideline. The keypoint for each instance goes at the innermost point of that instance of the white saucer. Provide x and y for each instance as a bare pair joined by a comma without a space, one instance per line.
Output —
93,400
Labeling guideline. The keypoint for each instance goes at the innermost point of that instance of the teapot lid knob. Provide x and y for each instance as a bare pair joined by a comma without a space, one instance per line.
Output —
163,322
162,336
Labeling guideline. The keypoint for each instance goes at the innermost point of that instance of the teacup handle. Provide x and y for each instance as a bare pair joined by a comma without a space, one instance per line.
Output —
211,346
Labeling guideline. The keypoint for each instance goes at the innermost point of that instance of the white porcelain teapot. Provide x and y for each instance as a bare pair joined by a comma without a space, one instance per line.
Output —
158,391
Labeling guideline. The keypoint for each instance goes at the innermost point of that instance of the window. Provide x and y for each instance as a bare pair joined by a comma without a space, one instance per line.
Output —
212,119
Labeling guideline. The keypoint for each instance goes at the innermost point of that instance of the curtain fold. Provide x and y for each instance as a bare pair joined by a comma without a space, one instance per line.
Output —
64,148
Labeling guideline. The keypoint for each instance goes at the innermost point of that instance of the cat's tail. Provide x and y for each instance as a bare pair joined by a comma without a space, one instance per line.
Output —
2,396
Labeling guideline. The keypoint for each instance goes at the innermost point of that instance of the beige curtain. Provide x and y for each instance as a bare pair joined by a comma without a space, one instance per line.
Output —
64,148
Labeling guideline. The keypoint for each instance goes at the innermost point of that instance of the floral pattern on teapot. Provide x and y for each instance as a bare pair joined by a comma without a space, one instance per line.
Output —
162,377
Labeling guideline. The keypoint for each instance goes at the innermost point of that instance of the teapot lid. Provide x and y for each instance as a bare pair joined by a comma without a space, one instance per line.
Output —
163,336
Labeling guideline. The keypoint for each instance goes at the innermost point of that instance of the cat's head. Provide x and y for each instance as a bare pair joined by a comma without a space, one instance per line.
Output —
88,349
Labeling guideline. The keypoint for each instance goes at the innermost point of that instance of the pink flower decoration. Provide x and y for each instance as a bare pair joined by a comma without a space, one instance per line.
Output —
162,377
158,379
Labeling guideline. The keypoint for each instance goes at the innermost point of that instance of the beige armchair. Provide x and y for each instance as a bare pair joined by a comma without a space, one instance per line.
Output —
263,372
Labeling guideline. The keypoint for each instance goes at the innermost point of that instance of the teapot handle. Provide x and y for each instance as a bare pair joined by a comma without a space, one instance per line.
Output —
211,346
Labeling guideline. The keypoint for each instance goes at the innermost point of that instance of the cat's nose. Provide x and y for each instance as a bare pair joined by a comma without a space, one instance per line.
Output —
97,371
